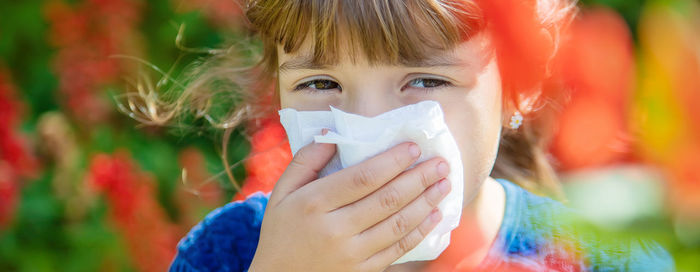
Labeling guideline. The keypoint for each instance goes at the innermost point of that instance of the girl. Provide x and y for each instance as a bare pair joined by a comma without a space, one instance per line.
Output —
487,63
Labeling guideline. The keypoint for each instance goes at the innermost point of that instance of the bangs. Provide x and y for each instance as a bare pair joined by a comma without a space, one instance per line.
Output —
383,31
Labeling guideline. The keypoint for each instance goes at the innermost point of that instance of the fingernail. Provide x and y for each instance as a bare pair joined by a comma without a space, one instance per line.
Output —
442,169
444,186
414,150
435,215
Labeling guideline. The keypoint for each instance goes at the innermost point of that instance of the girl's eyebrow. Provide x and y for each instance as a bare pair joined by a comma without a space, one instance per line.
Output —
437,60
302,62
305,62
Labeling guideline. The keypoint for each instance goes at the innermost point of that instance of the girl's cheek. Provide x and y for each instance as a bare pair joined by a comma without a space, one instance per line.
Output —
308,101
442,96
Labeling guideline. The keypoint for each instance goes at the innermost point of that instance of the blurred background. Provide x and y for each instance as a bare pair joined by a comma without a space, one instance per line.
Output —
84,187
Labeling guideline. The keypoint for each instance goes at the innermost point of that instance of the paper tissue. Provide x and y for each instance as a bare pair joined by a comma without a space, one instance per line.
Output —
358,138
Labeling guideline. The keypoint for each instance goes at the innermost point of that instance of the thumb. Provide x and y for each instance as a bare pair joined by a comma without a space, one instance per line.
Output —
303,168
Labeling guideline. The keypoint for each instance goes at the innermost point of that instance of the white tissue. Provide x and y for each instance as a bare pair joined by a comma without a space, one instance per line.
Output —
358,138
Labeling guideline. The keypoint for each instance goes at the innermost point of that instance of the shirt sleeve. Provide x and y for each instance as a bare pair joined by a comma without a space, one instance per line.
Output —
225,240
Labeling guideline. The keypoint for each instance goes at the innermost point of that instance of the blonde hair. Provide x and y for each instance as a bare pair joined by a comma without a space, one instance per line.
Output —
384,31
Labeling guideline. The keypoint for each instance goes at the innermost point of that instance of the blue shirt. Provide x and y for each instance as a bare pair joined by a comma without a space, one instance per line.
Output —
537,234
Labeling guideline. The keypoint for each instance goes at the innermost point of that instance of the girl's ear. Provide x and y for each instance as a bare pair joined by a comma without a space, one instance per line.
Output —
523,104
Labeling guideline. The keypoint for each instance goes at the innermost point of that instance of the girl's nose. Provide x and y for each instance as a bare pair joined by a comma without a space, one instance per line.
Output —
371,102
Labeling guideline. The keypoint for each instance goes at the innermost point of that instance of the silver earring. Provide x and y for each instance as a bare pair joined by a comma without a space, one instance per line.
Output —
516,120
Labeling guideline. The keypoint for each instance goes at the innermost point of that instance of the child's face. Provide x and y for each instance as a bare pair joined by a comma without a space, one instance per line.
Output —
465,83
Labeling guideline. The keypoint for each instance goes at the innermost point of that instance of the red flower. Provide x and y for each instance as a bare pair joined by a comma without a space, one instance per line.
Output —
8,194
598,65
86,35
13,147
16,160
150,237
523,48
269,157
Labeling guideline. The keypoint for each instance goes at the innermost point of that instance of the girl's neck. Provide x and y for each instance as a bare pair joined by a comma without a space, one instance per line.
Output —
479,226
472,239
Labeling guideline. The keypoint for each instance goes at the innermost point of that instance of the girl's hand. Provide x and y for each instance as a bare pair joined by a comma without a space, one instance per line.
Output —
361,218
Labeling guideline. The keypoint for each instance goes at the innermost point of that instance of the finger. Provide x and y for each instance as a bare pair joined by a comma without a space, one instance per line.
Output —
303,168
394,195
389,255
355,182
396,227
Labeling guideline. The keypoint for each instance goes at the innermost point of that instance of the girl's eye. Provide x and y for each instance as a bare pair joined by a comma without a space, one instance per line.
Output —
318,85
427,83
